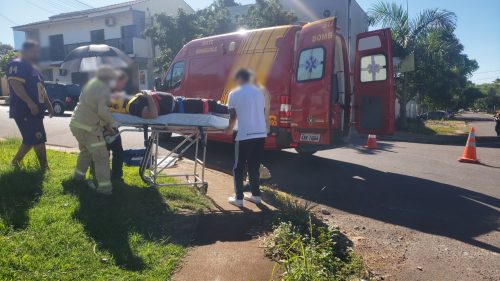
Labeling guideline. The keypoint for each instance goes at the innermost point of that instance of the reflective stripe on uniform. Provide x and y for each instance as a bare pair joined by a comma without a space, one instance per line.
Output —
79,173
97,144
17,79
78,125
104,184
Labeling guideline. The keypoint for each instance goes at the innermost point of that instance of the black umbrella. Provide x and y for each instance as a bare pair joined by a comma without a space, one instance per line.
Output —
91,57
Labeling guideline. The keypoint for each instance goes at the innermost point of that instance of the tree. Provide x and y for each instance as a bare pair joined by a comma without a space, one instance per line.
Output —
171,33
5,48
442,70
406,34
267,13
7,54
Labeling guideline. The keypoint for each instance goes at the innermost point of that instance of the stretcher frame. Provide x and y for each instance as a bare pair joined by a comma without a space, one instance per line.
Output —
151,170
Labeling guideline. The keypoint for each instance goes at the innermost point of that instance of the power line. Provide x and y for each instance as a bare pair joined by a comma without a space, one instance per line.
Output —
8,19
60,8
84,4
41,7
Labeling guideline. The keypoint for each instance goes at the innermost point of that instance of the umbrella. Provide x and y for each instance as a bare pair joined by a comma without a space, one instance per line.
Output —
90,57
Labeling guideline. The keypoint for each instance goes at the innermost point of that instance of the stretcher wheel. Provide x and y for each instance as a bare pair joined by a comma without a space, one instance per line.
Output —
203,189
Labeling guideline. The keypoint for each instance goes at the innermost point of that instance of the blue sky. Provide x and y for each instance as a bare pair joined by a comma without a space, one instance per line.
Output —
478,23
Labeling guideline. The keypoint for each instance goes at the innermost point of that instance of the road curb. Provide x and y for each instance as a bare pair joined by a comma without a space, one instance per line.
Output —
405,137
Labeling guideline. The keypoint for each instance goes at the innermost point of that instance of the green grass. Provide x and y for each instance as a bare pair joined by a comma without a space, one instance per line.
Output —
438,127
54,229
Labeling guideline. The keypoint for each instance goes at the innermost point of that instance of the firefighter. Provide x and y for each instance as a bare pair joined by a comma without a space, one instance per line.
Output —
90,118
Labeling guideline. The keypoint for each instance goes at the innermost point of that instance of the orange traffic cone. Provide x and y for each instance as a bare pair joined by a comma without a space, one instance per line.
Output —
371,142
469,155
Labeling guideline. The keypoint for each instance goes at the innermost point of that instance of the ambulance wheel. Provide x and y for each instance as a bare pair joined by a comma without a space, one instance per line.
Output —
165,136
302,151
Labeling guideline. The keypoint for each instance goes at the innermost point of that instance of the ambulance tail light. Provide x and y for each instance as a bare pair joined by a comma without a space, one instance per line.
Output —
285,116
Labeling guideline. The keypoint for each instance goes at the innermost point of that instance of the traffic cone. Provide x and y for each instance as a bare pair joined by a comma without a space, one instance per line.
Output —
469,155
371,142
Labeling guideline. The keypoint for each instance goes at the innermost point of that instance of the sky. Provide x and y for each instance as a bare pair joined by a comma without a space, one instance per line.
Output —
478,25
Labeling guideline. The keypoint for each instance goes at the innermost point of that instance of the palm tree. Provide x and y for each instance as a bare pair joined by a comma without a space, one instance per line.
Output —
406,33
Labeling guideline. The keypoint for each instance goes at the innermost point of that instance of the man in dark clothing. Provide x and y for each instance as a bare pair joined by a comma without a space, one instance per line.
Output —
116,146
28,102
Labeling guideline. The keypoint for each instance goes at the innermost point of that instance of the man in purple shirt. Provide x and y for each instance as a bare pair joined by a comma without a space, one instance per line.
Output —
28,102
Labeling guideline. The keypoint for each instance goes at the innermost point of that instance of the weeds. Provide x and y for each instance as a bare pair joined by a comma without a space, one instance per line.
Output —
306,249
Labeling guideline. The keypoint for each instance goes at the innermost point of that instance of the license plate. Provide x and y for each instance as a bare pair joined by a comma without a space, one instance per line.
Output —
310,137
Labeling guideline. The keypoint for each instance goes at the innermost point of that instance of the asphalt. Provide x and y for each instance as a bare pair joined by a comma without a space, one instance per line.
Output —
412,210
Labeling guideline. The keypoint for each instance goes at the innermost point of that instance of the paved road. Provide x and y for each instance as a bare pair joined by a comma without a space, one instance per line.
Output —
412,210
483,123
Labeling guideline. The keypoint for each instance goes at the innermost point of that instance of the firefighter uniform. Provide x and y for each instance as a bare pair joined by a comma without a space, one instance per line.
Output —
89,119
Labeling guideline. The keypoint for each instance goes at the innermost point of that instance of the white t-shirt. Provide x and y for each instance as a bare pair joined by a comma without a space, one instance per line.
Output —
248,102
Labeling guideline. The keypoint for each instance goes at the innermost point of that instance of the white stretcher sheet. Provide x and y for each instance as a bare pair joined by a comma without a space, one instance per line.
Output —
175,119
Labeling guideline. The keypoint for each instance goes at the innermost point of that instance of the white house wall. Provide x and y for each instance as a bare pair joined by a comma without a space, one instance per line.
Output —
78,31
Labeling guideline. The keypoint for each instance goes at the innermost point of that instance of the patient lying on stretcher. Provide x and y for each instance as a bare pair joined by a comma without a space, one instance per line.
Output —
150,105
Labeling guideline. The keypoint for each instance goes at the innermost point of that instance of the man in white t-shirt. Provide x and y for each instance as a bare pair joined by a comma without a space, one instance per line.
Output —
246,105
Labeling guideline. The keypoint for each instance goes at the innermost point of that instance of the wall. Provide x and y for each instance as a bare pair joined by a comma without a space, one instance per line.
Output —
78,30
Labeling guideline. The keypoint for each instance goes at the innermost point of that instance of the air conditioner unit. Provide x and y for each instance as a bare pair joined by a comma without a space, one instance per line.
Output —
110,21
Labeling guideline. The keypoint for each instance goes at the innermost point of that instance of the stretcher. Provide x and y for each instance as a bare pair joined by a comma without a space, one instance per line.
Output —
194,129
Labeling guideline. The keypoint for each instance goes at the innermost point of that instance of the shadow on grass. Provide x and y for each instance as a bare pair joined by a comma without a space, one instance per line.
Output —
19,190
110,220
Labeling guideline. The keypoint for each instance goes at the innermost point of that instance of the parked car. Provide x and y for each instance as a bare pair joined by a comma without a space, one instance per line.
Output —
434,115
62,96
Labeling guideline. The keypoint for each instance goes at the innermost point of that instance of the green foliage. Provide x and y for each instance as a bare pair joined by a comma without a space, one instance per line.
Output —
408,35
304,257
442,71
7,54
52,228
267,13
306,249
490,99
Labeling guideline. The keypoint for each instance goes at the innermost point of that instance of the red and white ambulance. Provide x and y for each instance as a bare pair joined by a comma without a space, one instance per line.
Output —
306,71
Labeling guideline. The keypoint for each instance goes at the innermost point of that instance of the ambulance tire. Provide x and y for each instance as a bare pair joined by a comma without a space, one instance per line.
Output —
306,152
165,137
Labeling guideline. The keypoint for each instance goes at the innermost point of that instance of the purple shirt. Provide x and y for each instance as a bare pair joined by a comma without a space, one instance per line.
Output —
32,79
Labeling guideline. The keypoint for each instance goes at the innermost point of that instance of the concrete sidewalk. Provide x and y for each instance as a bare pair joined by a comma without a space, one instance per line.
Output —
226,245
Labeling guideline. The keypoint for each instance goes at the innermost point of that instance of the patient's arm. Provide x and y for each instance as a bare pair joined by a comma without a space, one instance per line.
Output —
150,111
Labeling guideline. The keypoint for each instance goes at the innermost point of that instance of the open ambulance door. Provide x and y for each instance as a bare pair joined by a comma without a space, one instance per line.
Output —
311,90
374,100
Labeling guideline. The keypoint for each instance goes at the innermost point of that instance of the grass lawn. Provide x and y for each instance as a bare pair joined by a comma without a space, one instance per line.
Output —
438,127
54,229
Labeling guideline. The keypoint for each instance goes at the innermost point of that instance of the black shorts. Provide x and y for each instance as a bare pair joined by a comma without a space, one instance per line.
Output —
32,130
199,106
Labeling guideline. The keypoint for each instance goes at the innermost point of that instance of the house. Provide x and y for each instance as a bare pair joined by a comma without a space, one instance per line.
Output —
351,19
120,25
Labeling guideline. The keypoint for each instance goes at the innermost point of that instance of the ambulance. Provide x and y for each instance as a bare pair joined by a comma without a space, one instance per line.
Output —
305,69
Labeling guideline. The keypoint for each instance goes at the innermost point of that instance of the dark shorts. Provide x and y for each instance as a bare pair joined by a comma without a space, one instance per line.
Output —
32,130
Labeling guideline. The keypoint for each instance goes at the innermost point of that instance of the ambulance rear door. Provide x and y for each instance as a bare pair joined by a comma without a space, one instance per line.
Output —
374,100
312,84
